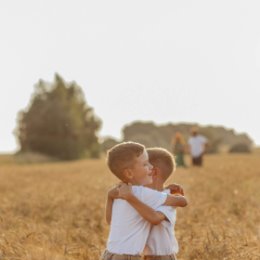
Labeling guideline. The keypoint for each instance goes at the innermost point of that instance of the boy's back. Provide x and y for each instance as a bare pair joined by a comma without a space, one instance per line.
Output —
162,240
162,243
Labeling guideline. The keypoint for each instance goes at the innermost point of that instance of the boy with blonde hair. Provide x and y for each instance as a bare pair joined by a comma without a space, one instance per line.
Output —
129,230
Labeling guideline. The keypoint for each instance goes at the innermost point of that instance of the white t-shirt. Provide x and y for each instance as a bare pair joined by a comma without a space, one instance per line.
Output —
162,240
197,145
128,230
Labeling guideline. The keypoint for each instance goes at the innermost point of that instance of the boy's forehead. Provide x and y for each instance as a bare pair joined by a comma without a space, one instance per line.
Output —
144,155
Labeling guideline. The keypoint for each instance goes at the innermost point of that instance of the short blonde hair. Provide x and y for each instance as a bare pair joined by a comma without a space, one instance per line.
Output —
122,156
163,159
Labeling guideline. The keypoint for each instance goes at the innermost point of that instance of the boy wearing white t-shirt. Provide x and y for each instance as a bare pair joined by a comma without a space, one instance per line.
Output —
129,231
161,243
197,147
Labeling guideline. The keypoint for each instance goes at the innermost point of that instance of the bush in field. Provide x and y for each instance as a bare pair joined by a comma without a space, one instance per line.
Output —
240,148
58,122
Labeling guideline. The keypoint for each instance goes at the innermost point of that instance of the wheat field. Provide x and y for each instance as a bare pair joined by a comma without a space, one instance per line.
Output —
55,211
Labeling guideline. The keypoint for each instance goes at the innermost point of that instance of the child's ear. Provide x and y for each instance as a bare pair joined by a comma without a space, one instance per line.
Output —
155,172
128,175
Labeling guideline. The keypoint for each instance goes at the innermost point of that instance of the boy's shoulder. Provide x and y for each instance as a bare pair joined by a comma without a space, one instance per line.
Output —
148,194
136,188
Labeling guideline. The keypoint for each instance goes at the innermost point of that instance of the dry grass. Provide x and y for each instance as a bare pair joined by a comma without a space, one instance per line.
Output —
55,211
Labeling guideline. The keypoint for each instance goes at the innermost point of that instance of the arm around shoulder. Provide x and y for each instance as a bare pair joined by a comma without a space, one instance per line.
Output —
148,213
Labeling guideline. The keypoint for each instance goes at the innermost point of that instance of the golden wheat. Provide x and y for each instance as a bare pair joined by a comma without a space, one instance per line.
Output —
55,211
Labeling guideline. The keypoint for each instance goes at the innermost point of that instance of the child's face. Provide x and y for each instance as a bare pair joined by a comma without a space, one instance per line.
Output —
141,172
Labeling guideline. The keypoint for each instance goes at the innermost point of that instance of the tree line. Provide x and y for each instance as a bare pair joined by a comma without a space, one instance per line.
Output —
59,122
161,135
151,134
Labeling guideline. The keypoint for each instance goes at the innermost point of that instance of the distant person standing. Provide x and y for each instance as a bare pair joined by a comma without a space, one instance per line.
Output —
179,148
197,147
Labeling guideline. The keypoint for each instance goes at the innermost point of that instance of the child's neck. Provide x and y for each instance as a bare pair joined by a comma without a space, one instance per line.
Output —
158,185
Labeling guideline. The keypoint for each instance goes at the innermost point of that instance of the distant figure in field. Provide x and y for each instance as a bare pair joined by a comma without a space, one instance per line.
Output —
179,148
197,147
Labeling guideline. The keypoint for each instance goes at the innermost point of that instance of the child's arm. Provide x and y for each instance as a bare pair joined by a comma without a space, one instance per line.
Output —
111,195
175,189
149,214
176,198
145,211
172,200
176,201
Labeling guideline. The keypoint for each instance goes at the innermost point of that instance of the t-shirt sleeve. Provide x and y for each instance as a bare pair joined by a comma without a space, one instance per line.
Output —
168,212
151,197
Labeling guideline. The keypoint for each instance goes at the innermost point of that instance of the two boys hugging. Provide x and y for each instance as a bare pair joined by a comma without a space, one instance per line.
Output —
140,210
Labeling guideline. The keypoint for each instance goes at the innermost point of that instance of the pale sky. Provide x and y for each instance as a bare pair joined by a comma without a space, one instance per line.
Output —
162,61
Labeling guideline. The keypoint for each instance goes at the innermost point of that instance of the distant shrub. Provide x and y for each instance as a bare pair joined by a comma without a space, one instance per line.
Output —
240,148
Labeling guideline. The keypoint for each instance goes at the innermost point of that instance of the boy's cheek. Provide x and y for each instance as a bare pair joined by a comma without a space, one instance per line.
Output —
148,181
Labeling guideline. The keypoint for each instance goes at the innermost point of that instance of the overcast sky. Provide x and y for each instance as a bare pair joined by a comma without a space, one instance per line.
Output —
165,61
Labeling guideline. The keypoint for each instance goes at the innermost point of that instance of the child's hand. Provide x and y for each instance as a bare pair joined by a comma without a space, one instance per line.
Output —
113,192
124,191
175,189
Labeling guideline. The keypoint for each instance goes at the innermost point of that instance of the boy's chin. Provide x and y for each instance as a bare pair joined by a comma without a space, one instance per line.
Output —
148,183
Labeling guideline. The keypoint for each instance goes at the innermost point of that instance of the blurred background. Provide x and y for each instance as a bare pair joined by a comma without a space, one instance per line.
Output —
144,69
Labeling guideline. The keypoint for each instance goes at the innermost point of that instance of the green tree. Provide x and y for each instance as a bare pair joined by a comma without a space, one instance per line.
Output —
58,122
